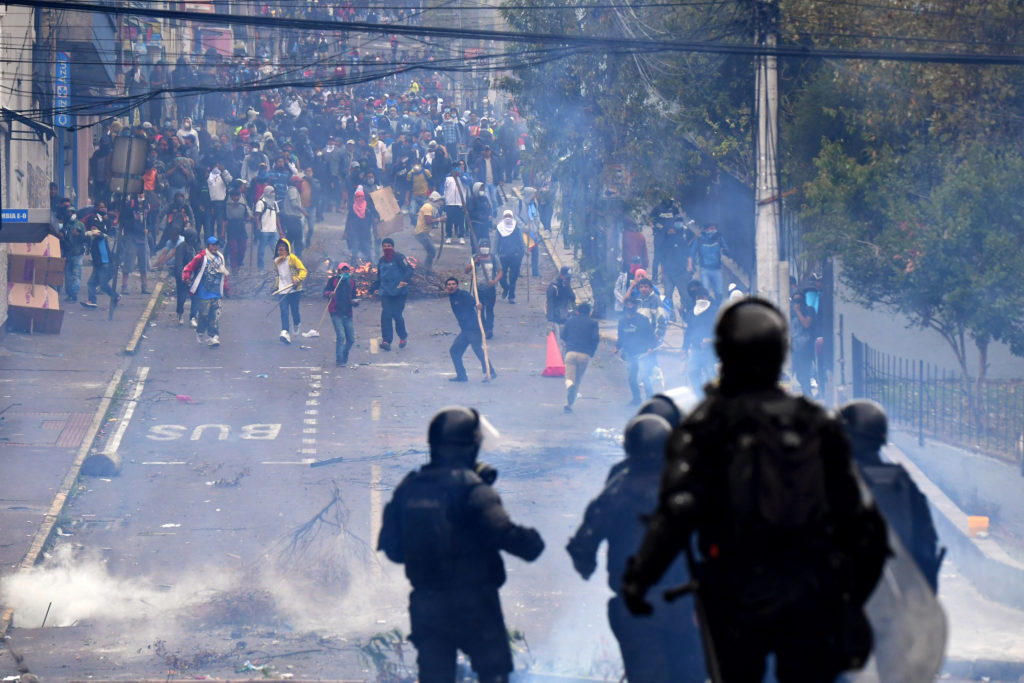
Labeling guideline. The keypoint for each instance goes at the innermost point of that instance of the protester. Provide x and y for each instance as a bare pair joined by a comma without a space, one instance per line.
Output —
581,336
394,273
511,249
465,308
488,274
291,272
341,299
427,218
207,274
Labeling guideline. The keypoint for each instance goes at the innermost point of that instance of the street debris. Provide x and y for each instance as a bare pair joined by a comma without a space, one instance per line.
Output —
184,398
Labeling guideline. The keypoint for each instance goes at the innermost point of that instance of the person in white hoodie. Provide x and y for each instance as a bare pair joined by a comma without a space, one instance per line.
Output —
217,183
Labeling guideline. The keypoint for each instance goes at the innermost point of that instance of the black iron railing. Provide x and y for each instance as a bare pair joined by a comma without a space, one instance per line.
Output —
986,416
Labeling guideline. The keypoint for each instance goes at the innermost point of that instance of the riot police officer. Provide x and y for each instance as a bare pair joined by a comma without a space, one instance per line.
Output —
446,525
664,648
904,506
789,551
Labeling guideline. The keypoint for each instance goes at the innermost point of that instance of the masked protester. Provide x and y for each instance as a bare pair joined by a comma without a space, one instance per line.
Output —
488,274
341,300
511,248
666,645
790,549
394,273
447,525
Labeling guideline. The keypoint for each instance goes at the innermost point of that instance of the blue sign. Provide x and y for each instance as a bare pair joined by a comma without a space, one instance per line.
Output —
14,215
62,88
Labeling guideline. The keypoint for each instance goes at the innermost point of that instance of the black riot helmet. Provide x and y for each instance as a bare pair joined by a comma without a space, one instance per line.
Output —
455,436
751,341
866,425
645,437
672,404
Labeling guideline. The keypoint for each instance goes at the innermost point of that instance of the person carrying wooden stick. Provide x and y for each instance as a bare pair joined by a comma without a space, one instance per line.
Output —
466,310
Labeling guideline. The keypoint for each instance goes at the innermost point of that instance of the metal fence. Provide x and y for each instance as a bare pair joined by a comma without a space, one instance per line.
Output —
943,404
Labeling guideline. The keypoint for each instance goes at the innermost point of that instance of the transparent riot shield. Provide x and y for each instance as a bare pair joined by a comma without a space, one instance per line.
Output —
908,622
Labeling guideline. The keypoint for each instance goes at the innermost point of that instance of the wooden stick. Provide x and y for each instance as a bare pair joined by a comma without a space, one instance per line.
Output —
480,322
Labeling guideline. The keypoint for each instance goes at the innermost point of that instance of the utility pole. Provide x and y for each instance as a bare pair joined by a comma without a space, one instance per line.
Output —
767,199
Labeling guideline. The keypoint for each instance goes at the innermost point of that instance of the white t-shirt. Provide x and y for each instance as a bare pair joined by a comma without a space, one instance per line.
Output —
284,274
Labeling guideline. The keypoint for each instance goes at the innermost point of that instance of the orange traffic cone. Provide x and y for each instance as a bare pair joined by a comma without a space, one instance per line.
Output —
555,366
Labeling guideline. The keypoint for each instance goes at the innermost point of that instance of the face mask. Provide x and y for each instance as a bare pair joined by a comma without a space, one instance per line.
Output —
484,251
345,276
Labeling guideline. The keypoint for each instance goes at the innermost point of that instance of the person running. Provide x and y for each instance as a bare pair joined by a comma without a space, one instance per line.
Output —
426,219
208,275
290,274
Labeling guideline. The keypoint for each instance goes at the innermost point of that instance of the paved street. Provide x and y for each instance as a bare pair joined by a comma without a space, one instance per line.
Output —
219,543
241,525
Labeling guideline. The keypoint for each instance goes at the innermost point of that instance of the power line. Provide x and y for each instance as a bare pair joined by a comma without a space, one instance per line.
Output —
589,43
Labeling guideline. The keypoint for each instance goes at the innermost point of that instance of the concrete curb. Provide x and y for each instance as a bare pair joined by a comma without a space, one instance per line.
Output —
585,290
45,530
989,567
140,327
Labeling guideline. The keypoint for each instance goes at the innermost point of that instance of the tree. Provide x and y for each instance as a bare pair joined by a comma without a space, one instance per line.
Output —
665,122
912,173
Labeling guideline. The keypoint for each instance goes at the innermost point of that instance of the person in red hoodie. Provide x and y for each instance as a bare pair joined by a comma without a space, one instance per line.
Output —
207,274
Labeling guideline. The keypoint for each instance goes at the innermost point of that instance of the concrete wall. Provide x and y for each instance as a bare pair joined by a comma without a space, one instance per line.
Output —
26,163
889,332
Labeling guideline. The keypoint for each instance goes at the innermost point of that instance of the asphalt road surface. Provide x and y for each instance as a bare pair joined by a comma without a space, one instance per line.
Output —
219,544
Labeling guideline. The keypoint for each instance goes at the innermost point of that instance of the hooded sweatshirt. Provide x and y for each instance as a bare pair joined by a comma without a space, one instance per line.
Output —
288,266
267,208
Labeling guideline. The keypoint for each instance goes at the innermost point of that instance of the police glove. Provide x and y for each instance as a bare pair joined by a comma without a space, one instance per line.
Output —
634,595
487,473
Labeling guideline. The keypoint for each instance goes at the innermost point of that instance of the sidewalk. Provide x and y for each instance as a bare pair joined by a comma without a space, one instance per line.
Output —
56,390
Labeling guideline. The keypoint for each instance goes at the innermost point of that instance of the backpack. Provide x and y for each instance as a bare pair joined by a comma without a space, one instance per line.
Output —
775,476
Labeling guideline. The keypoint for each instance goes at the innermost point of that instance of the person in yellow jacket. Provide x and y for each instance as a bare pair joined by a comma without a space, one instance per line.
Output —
290,274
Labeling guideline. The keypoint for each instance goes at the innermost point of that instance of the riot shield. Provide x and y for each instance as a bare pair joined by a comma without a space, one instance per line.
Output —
908,623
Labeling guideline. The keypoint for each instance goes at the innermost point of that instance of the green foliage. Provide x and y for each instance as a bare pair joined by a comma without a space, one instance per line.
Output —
912,173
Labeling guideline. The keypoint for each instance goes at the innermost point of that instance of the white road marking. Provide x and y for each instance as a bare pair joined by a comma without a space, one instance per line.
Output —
309,430
304,461
376,505
199,367
312,411
299,367
309,421
164,462
375,410
312,402
129,411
